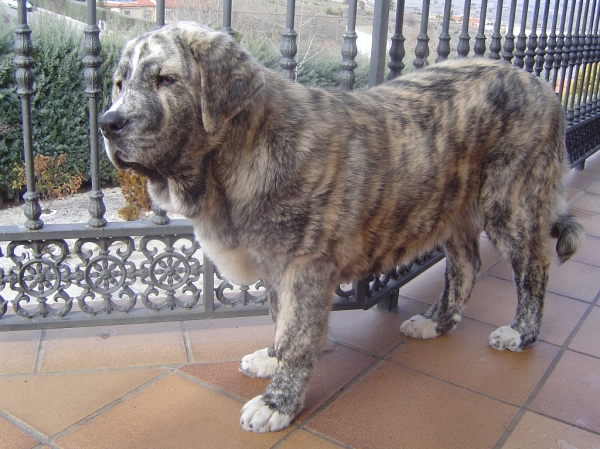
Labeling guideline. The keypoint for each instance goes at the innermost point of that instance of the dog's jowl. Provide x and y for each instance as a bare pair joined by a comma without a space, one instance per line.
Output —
306,188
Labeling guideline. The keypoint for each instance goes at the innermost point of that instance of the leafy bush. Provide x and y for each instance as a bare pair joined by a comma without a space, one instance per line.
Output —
263,50
59,105
320,70
9,114
51,179
324,71
129,212
334,12
133,188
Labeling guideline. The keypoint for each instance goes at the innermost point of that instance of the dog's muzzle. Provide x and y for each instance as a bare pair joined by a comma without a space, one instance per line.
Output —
112,124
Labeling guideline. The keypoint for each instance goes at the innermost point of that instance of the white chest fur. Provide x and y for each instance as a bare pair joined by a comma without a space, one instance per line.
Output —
236,265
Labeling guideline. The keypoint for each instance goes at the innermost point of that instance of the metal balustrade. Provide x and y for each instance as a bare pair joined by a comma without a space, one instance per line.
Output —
103,273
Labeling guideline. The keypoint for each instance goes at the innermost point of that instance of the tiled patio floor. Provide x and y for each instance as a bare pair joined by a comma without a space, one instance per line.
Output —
176,385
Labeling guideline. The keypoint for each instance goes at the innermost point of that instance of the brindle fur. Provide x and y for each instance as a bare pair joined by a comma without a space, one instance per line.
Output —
307,188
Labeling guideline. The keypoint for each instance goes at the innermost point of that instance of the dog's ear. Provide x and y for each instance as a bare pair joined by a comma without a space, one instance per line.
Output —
230,76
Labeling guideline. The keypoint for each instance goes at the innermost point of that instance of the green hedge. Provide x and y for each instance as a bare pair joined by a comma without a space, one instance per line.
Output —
60,105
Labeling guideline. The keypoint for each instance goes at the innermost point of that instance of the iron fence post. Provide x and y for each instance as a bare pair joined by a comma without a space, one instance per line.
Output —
349,50
289,47
24,79
93,80
381,17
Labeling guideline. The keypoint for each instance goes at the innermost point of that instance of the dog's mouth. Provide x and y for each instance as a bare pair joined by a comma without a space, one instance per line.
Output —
123,162
140,169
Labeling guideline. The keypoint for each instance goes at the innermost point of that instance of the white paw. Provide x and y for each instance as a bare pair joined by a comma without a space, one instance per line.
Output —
259,417
259,364
505,337
419,327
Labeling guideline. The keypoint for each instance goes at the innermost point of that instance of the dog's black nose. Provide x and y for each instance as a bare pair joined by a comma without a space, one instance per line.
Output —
112,123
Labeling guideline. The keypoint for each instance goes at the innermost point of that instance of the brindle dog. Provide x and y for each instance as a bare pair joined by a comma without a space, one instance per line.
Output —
306,188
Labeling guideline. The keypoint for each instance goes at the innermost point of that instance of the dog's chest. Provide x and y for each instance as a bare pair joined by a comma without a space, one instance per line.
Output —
236,265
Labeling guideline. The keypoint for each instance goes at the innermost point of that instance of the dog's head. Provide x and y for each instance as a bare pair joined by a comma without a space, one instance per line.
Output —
174,89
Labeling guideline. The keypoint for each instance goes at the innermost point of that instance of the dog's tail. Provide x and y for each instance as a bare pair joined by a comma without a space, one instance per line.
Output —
569,231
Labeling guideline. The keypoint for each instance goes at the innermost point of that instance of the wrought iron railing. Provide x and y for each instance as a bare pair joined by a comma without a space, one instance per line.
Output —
115,273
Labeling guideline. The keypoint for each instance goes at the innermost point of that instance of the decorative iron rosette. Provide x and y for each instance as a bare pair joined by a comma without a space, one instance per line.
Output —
40,273
103,276
170,274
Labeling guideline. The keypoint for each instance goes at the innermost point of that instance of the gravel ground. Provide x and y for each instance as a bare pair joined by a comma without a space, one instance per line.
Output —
70,210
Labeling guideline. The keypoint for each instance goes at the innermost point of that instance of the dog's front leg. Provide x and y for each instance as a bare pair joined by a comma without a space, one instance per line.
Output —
301,327
263,363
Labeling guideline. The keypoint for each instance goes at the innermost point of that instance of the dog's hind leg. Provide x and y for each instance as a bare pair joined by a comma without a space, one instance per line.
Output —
530,262
462,265
301,327
263,363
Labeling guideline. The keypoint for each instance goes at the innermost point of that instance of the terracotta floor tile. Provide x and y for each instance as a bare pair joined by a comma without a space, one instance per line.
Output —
587,201
13,438
594,187
333,371
591,221
592,166
227,377
494,301
229,338
538,432
588,338
561,315
20,349
53,402
579,179
464,357
573,279
374,330
572,392
394,407
304,440
427,288
571,193
173,413
111,347
589,253
489,254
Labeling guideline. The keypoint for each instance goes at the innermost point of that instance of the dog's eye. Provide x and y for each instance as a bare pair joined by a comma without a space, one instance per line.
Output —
163,81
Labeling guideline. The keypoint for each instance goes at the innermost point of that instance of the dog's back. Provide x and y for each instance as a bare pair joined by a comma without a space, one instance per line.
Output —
407,162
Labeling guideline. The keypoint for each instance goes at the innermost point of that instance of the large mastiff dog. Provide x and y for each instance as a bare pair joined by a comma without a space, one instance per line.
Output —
306,188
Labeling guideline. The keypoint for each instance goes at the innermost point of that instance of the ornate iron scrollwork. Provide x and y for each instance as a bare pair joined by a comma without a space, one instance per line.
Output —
243,297
104,275
40,274
169,272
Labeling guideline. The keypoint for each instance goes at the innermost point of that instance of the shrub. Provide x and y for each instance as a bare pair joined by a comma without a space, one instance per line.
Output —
334,12
133,188
51,179
129,212
263,50
59,104
323,70
9,114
